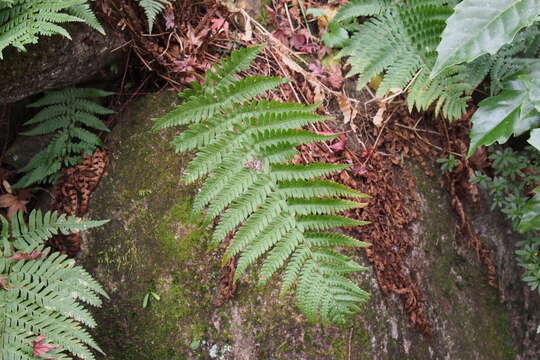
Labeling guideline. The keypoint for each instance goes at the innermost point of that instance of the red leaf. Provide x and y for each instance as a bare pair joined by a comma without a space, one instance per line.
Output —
335,78
317,69
40,348
26,256
339,143
219,25
169,19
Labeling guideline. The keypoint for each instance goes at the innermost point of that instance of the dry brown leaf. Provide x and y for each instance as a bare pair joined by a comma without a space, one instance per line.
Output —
349,112
379,116
13,204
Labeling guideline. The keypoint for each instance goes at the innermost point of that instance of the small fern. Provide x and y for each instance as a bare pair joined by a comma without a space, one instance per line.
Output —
151,9
400,40
67,114
41,294
23,21
280,210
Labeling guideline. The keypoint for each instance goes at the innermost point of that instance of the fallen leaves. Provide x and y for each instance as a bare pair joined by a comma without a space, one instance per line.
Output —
72,196
15,203
19,255
347,109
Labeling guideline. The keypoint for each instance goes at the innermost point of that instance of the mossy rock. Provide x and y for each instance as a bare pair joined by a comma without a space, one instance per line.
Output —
154,245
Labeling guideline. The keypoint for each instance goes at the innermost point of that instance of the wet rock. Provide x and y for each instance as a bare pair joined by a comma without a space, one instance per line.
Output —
153,244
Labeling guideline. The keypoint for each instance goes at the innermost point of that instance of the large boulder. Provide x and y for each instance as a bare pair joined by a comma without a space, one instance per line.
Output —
56,62
154,245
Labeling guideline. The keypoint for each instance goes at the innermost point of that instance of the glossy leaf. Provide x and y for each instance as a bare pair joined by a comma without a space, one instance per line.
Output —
513,112
534,140
480,27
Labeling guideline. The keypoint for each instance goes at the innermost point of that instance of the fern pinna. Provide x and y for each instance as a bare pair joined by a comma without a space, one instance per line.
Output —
400,40
41,294
68,114
151,9
23,21
277,210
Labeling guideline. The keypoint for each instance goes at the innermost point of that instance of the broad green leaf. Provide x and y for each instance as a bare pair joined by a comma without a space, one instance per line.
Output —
478,27
495,118
336,36
534,140
513,112
531,213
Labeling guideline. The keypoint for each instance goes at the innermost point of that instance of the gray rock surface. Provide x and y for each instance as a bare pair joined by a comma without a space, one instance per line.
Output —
154,244
56,62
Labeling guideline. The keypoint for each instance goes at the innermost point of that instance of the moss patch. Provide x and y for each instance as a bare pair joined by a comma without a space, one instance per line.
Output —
154,244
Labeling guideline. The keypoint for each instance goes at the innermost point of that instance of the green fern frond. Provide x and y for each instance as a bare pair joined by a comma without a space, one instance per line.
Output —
83,12
224,73
44,292
68,115
357,8
23,21
151,9
316,187
399,43
268,204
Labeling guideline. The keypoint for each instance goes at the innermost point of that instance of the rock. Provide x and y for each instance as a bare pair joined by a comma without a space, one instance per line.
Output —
56,62
154,244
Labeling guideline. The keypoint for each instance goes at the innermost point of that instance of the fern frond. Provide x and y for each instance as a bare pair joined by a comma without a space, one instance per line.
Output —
23,21
399,42
151,9
327,239
304,172
357,8
245,148
222,75
44,292
68,115
316,187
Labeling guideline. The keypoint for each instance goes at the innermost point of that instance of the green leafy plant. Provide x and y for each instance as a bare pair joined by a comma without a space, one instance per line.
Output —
399,43
68,114
22,22
514,111
477,28
147,296
514,175
448,164
41,293
151,9
277,210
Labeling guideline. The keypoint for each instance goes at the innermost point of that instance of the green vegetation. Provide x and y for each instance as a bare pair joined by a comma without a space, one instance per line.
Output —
22,22
245,147
151,9
438,52
516,173
41,294
67,115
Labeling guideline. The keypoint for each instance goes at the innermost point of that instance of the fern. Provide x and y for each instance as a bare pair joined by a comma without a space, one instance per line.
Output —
151,9
41,294
67,115
244,148
399,42
23,21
